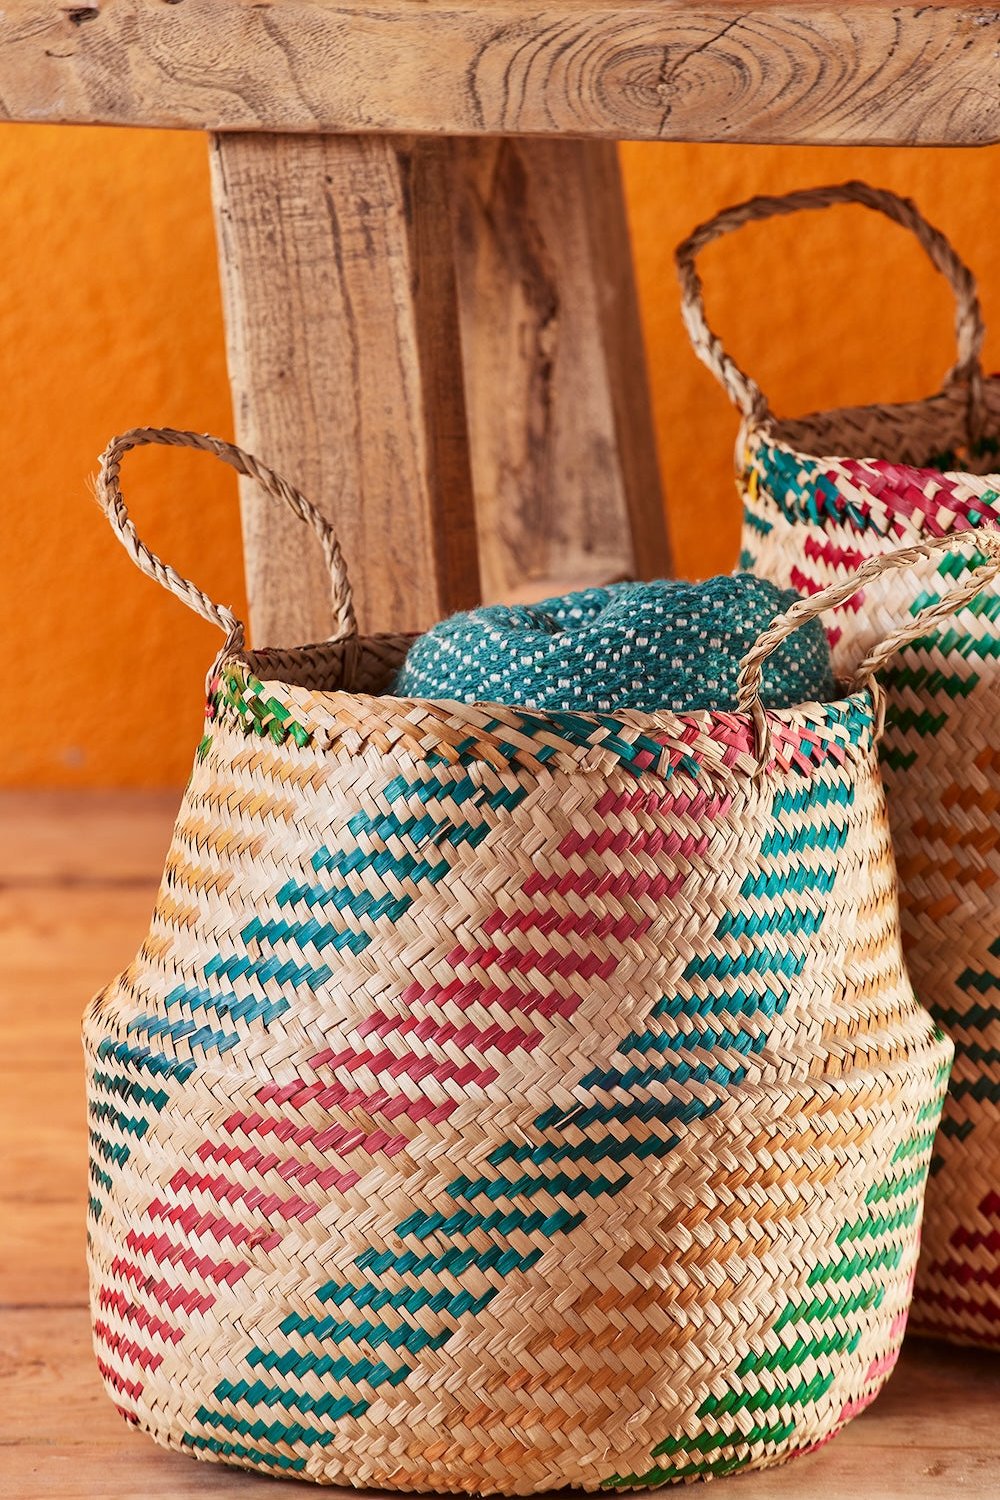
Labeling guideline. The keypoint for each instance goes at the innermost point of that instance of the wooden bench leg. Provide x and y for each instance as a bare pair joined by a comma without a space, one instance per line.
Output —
563,449
341,309
345,291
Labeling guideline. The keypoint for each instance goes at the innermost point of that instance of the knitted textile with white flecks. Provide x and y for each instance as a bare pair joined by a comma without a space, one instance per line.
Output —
647,646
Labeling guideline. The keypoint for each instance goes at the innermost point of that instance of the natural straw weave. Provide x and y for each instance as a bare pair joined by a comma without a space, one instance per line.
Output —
504,1100
811,519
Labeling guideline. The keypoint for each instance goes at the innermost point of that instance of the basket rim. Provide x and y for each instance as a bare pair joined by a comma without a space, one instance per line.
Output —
769,428
627,717
658,743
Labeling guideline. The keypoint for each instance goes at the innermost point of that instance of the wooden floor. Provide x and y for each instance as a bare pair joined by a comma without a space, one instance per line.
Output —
77,878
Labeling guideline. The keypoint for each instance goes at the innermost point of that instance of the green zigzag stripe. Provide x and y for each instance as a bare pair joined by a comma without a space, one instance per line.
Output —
801,1346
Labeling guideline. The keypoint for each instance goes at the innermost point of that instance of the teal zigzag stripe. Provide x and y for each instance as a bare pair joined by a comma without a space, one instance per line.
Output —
783,898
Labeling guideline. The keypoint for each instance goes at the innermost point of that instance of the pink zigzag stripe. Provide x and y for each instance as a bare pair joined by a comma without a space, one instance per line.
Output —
161,1291
226,1191
165,1251
388,1105
410,1065
342,1140
658,886
580,965
127,1349
287,1167
566,924
804,584
121,1384
698,805
134,1312
299,1092
916,497
426,1029
824,549
220,1229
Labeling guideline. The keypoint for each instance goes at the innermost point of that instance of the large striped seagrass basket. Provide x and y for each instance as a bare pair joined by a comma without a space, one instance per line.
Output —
821,494
504,1100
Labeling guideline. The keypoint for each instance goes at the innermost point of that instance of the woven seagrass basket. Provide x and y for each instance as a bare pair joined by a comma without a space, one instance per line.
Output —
504,1100
901,474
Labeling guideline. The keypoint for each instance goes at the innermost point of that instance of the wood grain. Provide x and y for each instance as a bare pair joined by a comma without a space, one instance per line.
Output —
78,877
57,838
870,71
931,1436
563,449
61,1438
342,322
603,202
59,944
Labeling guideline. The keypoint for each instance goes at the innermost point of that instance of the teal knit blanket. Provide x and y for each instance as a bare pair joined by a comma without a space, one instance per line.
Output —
648,646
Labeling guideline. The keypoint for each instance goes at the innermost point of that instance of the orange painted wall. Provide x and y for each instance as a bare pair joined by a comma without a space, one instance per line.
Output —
110,317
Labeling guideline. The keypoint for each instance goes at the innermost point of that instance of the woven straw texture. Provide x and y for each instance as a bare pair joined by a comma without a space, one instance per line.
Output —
901,474
504,1100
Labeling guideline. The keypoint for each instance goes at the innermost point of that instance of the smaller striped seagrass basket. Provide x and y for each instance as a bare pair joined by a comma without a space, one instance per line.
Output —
504,1100
822,494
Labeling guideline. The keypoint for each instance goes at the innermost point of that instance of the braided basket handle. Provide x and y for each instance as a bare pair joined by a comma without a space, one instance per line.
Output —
985,540
743,391
109,496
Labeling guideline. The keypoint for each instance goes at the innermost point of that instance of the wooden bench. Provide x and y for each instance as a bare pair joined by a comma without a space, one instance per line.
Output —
431,318
432,329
